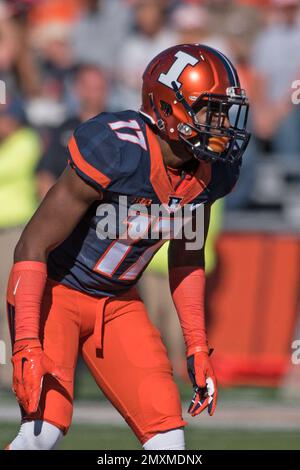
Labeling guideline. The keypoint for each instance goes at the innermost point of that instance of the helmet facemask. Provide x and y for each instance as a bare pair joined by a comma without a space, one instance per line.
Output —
211,139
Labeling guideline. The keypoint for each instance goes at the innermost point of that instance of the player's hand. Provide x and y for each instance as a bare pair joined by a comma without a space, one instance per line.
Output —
30,364
204,382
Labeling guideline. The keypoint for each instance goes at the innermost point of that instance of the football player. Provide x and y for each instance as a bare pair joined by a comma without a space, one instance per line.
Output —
72,290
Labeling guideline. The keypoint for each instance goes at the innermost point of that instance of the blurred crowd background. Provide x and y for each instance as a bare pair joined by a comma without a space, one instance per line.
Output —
62,62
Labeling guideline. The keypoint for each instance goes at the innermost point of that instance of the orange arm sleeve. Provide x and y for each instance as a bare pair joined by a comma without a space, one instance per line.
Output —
28,279
187,284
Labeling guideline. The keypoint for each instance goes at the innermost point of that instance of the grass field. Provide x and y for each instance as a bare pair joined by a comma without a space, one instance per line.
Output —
112,437
115,438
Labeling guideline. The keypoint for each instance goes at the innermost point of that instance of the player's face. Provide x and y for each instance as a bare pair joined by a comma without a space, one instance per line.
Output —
217,119
182,154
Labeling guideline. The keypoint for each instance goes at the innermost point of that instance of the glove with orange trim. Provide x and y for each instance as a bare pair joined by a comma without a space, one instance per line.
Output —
30,365
204,382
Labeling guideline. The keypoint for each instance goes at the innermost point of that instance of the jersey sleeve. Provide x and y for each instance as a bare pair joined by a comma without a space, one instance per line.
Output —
94,154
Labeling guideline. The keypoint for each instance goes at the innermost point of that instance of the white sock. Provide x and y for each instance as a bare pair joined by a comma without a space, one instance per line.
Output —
168,440
36,435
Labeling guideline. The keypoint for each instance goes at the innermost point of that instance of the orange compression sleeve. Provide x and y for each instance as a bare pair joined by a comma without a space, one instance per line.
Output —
28,279
187,284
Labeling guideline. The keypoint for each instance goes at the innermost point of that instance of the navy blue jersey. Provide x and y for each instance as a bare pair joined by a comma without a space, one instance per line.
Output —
120,155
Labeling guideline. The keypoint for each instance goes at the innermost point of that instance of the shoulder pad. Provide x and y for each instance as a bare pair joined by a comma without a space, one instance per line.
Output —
107,148
93,153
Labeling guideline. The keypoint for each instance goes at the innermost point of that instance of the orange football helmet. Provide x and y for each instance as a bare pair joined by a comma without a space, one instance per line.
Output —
182,80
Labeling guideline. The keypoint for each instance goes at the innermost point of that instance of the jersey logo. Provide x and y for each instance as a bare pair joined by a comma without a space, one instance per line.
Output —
174,202
138,138
16,286
194,205
144,201
182,61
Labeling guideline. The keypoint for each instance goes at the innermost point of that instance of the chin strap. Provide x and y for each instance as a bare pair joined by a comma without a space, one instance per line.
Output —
159,121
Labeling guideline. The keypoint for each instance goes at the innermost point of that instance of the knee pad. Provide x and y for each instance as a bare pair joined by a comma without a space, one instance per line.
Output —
36,435
168,440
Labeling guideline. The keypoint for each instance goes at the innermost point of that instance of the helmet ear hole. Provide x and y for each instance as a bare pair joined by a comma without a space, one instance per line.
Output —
166,108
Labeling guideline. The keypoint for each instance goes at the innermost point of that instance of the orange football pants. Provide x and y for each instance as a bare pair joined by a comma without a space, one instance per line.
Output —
122,349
